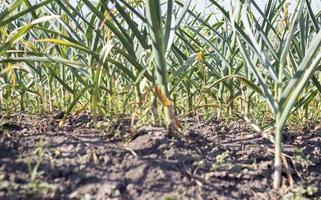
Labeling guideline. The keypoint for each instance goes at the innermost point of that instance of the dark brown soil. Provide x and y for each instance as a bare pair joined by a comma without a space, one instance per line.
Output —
38,160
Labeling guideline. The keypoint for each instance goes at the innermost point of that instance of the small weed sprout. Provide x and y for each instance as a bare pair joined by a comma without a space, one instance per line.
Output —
221,161
37,186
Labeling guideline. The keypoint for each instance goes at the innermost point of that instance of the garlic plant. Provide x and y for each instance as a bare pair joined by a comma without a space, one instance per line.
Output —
109,56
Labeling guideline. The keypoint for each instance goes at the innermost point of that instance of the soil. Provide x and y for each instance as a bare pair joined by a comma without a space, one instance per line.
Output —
215,160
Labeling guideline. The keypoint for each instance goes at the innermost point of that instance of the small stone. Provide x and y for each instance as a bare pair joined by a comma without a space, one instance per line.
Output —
107,159
2,176
73,195
116,193
82,167
23,131
130,187
245,171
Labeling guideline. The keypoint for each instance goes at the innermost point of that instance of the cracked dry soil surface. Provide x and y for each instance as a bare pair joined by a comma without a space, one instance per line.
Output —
39,160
